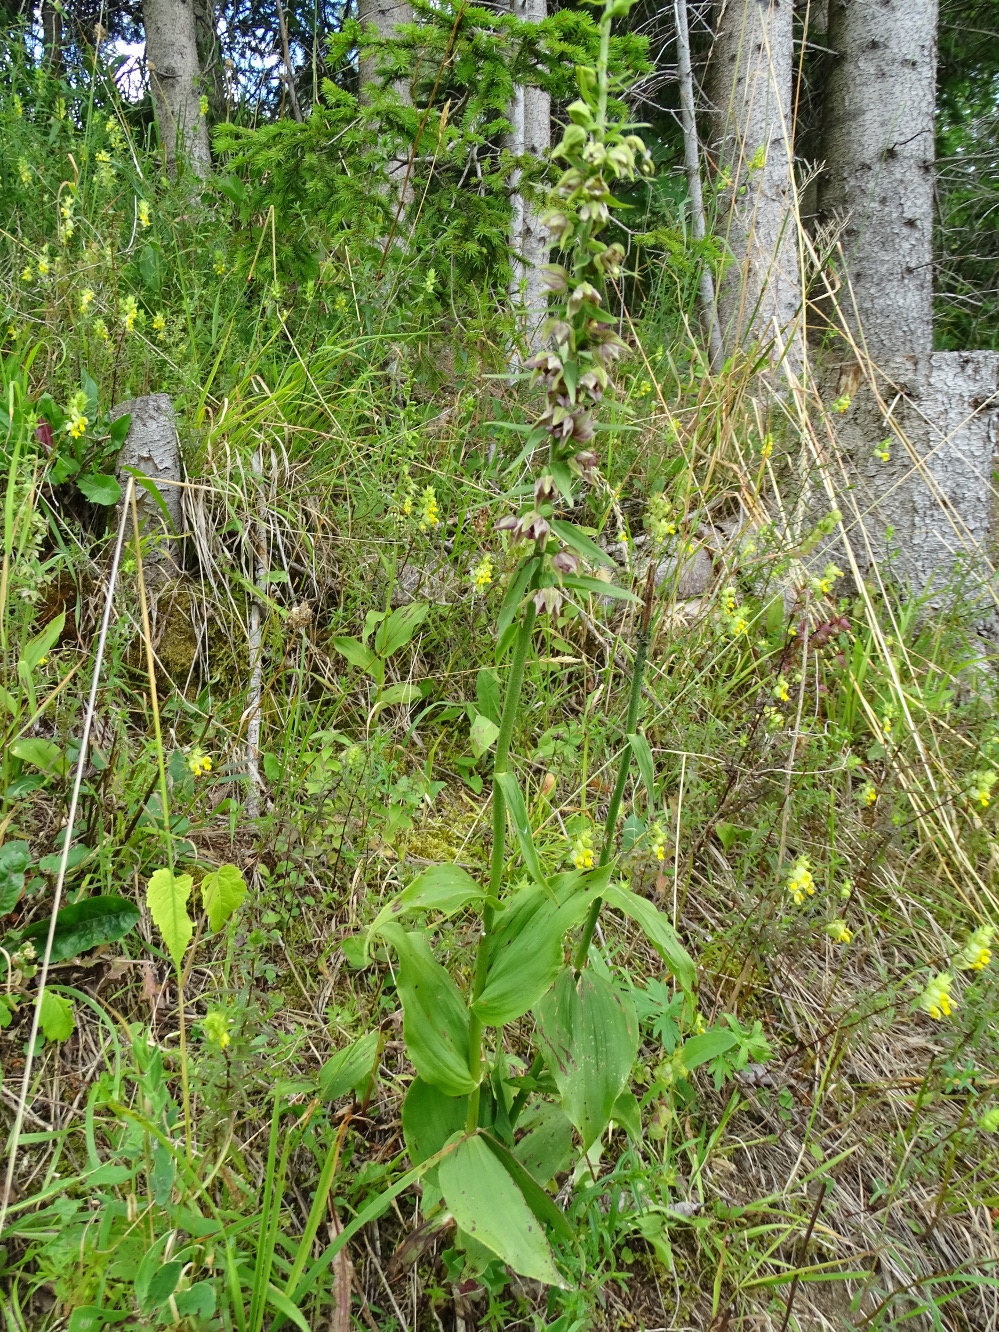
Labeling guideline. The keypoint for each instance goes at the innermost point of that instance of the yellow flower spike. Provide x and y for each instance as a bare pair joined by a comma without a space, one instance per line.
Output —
144,216
977,952
839,931
429,514
582,850
657,840
482,574
781,690
159,324
936,999
86,298
800,883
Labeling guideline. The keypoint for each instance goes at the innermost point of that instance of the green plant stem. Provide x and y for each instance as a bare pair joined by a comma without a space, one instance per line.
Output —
164,801
520,1100
511,703
641,652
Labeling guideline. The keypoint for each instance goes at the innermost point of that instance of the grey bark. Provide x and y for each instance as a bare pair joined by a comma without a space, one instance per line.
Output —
52,37
152,450
692,161
878,178
934,491
174,78
386,15
750,82
530,116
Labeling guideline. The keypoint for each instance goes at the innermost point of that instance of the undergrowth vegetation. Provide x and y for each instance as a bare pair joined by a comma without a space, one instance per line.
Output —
511,884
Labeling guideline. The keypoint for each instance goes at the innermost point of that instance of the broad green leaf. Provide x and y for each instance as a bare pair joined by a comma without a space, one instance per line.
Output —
99,488
119,429
279,1301
525,952
395,632
349,1068
435,1019
598,588
514,596
643,757
166,898
487,694
429,1119
56,1017
709,1045
42,644
77,855
514,798
164,1282
534,1195
356,653
546,1147
488,1205
198,1302
577,540
14,860
222,893
730,833
84,925
39,753
398,693
657,930
626,1112
443,888
589,1038
482,734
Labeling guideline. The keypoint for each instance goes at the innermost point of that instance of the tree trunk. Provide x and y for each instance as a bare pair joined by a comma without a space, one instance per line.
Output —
750,81
920,453
52,37
530,116
386,15
152,450
878,178
692,161
174,73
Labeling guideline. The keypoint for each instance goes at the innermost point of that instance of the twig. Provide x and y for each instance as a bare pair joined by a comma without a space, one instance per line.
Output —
808,1236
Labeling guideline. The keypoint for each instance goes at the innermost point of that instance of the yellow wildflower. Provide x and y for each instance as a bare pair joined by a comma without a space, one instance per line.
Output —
976,953
219,258
582,850
159,324
429,515
482,574
781,689
77,421
129,313
24,171
101,329
800,883
980,790
198,762
842,404
869,794
143,209
768,447
203,104
27,273
937,999
657,839
839,931
86,297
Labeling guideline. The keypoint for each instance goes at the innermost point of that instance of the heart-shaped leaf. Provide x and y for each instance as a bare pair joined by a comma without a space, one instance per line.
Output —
222,893
166,897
